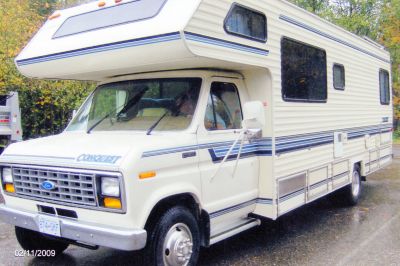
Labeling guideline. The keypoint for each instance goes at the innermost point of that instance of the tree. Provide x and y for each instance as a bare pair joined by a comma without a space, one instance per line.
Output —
46,105
358,16
316,6
390,37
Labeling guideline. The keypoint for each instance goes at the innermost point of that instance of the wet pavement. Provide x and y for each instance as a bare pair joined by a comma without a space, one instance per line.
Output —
321,233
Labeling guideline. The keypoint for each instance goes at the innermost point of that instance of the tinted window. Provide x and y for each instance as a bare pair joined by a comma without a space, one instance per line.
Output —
303,72
384,86
246,23
223,108
338,77
110,16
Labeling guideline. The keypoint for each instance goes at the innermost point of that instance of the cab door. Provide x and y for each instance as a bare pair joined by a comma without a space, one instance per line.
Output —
229,191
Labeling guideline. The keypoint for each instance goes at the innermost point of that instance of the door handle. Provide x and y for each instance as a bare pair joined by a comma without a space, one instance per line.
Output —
189,154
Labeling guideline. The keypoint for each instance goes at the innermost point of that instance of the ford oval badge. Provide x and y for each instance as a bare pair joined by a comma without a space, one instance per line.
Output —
48,185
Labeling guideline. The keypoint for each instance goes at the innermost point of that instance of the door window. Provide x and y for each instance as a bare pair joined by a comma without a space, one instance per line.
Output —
223,107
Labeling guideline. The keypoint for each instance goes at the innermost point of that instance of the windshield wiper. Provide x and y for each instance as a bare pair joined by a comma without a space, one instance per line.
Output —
98,122
156,123
161,118
125,107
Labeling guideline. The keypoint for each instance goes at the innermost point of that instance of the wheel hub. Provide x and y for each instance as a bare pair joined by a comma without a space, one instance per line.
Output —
178,245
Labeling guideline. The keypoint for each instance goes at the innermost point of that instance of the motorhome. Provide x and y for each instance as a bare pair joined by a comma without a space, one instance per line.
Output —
209,116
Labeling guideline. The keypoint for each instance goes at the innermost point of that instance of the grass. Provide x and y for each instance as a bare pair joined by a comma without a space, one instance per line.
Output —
396,137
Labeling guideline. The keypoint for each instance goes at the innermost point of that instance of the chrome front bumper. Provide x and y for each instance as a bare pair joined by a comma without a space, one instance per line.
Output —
93,234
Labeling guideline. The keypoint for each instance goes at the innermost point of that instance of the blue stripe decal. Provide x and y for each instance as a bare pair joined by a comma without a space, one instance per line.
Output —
219,149
333,38
223,43
263,147
292,195
102,48
381,158
232,208
240,206
319,184
306,141
340,175
265,201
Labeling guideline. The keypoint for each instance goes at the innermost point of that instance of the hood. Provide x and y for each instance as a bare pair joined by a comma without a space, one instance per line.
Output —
98,150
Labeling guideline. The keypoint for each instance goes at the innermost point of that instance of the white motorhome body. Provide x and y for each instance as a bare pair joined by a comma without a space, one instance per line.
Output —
326,107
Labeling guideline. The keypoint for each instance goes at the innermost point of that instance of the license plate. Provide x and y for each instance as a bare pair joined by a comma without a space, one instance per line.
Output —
49,225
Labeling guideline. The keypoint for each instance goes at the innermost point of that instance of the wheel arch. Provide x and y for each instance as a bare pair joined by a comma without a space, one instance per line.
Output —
192,203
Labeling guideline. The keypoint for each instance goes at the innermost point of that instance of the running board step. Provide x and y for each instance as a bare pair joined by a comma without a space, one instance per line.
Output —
246,224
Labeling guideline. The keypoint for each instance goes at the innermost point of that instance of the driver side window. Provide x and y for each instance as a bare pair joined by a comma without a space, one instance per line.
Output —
223,107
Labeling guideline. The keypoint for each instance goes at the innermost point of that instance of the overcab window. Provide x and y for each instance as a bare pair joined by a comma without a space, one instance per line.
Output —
303,67
247,23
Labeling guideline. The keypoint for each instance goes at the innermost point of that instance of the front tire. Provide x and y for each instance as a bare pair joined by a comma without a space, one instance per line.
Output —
175,239
35,241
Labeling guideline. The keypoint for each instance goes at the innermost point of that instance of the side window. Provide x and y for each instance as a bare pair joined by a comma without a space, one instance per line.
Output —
384,86
303,67
223,108
338,77
246,23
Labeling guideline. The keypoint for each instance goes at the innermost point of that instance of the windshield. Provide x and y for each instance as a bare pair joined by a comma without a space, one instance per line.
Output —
139,105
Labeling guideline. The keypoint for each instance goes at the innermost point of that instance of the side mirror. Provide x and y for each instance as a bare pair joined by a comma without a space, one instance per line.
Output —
74,114
253,115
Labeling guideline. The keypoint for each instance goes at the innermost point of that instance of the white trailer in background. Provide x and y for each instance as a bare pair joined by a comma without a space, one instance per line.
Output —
10,119
158,155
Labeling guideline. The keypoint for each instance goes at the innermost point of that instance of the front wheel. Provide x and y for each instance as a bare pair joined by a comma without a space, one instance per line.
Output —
35,241
175,239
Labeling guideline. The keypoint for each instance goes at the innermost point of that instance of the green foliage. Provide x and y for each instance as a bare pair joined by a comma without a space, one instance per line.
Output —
358,16
396,137
46,106
316,6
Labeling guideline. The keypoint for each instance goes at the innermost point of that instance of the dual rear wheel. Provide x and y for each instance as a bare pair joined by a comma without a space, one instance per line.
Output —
350,195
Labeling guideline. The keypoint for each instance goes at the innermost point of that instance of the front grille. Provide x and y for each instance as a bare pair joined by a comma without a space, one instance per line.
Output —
70,187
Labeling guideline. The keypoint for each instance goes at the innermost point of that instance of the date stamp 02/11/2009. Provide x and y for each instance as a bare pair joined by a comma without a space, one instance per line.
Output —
35,253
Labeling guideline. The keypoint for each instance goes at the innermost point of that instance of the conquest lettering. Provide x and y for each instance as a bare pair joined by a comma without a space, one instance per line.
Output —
95,158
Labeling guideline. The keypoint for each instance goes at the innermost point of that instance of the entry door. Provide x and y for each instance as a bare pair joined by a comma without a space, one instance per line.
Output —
230,192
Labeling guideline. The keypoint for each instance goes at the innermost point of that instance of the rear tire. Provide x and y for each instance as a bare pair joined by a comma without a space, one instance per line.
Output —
352,193
34,241
174,239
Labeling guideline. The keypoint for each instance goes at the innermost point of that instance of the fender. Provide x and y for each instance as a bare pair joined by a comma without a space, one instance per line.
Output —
165,192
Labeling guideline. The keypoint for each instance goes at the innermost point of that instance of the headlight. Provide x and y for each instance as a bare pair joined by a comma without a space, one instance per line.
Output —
6,175
110,186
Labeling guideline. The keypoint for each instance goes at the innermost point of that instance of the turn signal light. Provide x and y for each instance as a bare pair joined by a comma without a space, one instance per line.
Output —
101,4
118,1
145,175
9,188
112,203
